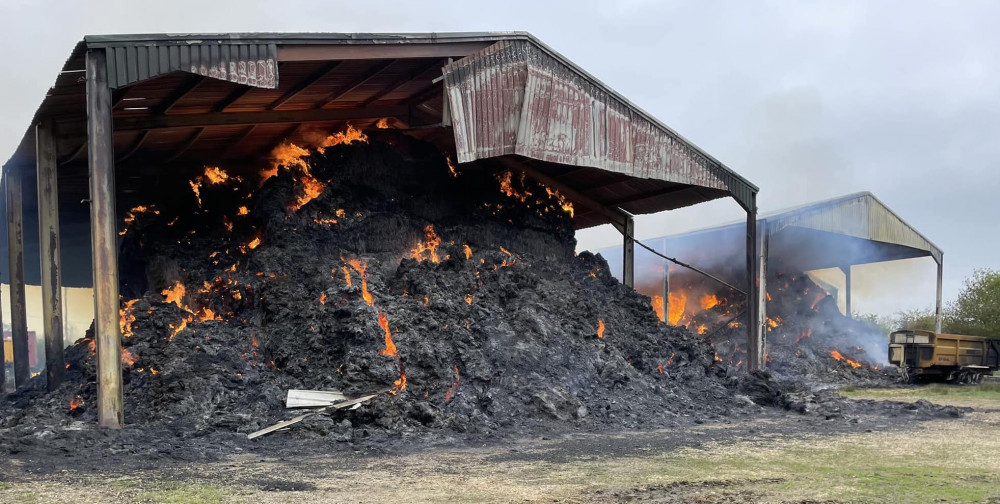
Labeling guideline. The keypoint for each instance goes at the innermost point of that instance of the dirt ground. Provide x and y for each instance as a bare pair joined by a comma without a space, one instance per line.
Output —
780,458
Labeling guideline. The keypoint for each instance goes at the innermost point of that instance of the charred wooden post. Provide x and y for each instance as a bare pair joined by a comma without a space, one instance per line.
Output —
15,244
103,234
48,241
937,305
755,338
628,254
761,291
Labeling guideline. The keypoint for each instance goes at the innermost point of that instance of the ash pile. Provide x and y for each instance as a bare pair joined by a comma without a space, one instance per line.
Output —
369,264
807,337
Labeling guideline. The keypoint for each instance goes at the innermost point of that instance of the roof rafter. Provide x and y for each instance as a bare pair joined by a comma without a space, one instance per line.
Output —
360,81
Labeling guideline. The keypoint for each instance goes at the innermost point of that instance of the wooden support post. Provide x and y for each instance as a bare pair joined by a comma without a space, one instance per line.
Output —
48,247
937,305
755,337
628,254
15,246
761,290
103,235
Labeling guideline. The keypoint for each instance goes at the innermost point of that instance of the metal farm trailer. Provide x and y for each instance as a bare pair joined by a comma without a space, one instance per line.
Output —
949,357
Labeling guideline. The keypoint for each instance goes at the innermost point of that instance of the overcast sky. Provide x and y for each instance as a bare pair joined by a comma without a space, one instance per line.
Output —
808,100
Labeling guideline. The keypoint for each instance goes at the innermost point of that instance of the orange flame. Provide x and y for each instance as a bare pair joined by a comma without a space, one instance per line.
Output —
430,245
382,123
213,176
174,294
242,210
322,298
678,302
390,347
468,251
174,331
600,328
347,275
837,355
127,317
468,299
508,189
348,136
656,302
133,214
708,301
75,403
362,268
773,323
400,384
702,329
451,167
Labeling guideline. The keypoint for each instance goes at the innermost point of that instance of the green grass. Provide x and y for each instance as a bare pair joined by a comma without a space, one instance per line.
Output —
5,486
180,493
985,395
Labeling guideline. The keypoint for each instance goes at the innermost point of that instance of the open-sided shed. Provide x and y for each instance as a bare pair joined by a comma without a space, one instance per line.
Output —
837,233
128,111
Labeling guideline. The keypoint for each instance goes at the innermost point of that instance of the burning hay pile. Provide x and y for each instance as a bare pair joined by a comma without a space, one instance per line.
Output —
807,336
371,263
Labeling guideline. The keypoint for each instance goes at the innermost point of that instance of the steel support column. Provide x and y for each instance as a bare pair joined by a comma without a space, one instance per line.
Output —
937,304
103,235
847,287
48,247
628,253
15,244
666,283
761,289
755,341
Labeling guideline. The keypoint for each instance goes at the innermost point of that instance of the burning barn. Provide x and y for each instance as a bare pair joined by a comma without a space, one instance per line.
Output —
799,316
264,212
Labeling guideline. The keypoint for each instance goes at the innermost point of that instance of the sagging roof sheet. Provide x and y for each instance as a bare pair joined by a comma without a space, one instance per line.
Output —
520,97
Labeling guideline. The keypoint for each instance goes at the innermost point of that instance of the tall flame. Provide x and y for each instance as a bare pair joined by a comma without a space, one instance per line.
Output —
657,303
600,328
362,268
390,347
678,302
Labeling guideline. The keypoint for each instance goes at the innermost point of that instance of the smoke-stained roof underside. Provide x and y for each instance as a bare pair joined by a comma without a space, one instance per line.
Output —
181,102
849,230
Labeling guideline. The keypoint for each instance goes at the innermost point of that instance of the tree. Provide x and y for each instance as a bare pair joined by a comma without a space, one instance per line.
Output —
915,319
977,309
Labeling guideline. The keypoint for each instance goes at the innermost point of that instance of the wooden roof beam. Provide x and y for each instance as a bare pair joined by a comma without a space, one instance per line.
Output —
401,81
305,83
185,89
187,145
360,81
248,118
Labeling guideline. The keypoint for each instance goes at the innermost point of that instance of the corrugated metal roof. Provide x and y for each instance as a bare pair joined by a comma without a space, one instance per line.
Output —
169,118
856,228
860,215
520,97
254,65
